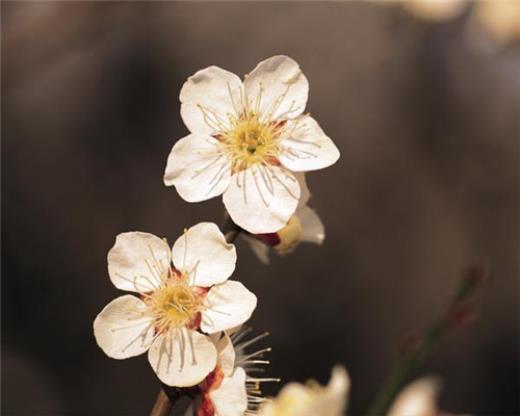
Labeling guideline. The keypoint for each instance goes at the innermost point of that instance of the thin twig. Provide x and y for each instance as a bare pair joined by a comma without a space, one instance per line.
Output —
461,310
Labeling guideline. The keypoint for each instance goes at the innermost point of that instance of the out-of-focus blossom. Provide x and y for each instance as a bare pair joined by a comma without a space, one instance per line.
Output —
498,19
184,295
311,399
247,138
435,10
417,399
232,389
304,226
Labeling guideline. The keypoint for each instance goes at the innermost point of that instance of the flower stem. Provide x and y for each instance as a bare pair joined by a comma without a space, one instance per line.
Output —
163,404
460,311
168,396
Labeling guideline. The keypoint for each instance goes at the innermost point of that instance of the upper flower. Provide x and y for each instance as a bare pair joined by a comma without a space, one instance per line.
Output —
296,399
246,140
184,293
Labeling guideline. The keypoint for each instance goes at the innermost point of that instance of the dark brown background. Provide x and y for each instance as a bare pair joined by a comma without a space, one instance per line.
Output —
427,124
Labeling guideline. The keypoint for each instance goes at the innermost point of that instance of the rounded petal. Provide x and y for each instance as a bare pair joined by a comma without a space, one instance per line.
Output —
313,230
182,357
261,199
123,329
230,399
207,97
203,252
277,88
197,168
137,261
417,399
307,147
227,305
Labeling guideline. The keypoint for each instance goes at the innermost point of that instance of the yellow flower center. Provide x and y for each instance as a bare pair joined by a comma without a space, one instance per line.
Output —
250,141
174,305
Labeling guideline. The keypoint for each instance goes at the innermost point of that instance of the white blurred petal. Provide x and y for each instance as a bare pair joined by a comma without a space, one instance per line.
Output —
308,147
123,329
207,97
225,353
182,357
227,305
417,399
313,230
262,199
333,401
281,85
305,193
260,249
230,399
197,168
204,253
137,261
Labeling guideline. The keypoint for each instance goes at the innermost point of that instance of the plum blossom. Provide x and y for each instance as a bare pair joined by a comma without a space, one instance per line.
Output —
304,226
247,139
184,294
499,20
297,399
232,389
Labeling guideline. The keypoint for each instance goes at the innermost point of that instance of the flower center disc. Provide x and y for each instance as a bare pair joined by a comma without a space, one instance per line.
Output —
175,306
250,141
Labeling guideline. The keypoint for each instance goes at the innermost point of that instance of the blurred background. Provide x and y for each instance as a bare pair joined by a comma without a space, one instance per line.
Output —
424,107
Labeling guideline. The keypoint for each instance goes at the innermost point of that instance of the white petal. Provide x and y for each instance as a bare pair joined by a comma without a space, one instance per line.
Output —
278,87
208,97
260,249
308,147
123,329
137,261
228,305
305,193
262,199
182,357
333,401
226,354
313,230
204,253
230,399
417,399
197,168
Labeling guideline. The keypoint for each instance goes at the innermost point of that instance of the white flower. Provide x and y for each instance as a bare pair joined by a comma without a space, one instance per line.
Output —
232,389
417,399
183,292
296,399
434,10
246,140
304,226
499,20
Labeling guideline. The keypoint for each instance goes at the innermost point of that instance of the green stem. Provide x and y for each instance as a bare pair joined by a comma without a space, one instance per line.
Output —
404,368
459,310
